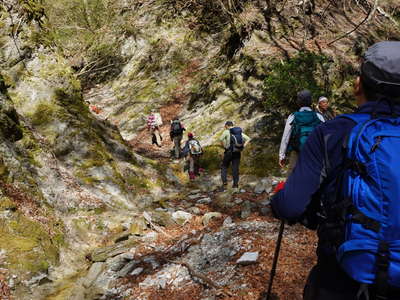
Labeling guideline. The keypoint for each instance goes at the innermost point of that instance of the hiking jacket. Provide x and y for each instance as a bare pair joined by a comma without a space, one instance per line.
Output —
226,138
154,120
321,156
288,132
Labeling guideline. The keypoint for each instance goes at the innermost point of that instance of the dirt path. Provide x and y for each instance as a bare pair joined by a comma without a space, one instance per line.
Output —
142,142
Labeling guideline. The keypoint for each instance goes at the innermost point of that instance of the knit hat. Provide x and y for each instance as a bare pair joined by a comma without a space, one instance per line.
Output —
304,98
380,69
190,135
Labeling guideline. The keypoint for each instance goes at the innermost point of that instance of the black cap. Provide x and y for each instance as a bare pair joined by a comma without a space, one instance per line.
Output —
380,69
304,98
229,123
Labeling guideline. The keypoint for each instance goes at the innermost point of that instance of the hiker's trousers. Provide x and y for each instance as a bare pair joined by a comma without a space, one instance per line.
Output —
156,136
230,158
194,164
177,145
329,282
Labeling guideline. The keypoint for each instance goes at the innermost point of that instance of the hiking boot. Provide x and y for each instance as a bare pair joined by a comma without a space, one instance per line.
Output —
222,188
192,176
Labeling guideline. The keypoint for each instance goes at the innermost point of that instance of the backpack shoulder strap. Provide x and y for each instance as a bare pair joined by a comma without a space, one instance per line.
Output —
357,118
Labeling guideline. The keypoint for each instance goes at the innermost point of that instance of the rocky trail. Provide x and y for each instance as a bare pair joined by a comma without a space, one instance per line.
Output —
189,248
189,243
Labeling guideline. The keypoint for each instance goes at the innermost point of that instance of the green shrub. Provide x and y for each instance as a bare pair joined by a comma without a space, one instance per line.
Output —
211,159
286,78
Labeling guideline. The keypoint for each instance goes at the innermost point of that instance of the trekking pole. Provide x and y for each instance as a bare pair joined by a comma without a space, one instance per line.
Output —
275,261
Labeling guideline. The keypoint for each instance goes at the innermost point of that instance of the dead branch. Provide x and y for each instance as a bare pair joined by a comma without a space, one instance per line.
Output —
366,20
203,278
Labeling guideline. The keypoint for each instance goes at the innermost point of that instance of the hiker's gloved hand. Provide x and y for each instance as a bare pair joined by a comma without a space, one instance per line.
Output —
280,186
282,163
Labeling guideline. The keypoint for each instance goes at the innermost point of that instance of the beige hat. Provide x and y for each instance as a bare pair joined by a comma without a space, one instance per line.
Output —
322,98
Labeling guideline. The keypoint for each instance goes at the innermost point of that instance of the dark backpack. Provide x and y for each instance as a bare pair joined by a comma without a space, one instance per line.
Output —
176,128
237,141
303,124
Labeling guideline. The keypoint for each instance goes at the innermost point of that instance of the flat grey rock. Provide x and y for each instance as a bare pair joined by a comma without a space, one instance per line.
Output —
137,272
93,273
195,196
118,262
248,258
128,268
206,200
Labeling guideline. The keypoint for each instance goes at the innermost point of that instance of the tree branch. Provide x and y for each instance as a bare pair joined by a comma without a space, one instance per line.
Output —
366,20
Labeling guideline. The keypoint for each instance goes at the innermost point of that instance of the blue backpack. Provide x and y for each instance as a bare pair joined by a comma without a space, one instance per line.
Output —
370,251
303,124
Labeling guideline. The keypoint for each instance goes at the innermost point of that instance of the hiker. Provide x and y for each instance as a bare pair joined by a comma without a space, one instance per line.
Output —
154,121
176,134
233,140
324,109
346,184
192,152
298,126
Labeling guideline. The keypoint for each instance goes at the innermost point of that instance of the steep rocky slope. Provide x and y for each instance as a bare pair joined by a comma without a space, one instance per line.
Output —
77,170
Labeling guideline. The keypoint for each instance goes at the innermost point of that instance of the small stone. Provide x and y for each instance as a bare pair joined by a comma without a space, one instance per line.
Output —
206,200
265,185
246,210
137,272
228,222
181,217
238,201
195,196
248,258
195,210
162,283
208,216
151,236
243,191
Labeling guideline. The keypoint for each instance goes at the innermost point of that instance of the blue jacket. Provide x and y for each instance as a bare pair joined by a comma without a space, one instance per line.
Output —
321,156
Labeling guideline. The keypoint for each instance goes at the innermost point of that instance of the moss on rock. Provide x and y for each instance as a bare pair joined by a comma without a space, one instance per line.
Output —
28,246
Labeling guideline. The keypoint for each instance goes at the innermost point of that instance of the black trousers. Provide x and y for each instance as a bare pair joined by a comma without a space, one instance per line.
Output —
327,281
230,158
